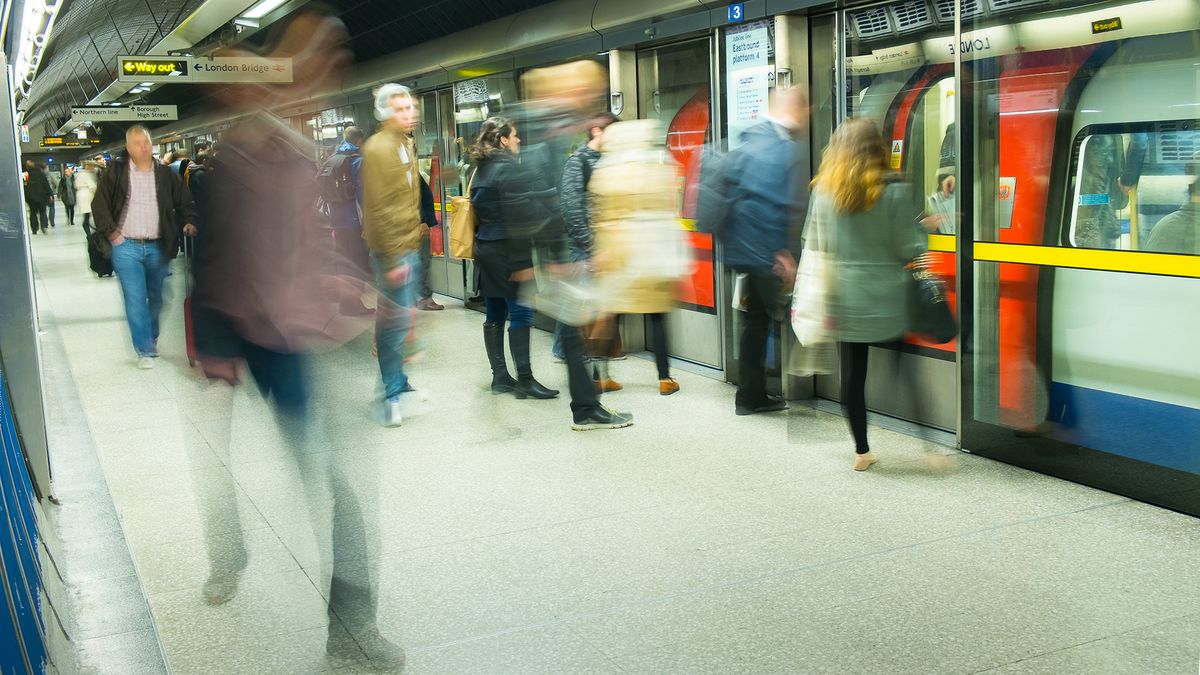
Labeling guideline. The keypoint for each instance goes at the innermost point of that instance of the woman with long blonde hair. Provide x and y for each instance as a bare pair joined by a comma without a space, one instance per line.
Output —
866,220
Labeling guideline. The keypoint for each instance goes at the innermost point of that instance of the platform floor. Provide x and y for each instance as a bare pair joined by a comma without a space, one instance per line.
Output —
695,541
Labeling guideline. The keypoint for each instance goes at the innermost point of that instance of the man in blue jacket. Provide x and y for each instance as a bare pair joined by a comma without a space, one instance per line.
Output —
343,213
765,196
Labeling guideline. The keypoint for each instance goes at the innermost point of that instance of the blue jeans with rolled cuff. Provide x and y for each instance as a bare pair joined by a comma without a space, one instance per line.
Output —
141,269
394,317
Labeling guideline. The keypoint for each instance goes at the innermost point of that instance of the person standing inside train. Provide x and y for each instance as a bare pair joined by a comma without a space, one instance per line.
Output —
763,201
500,197
862,214
391,215
141,207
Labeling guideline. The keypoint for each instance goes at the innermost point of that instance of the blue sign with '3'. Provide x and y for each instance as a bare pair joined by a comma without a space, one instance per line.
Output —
737,12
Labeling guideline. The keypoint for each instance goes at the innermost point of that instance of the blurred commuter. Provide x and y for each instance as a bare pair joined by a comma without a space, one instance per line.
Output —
266,298
141,208
66,193
53,193
560,101
500,196
640,251
762,200
573,199
392,228
428,222
1179,232
340,183
38,195
86,182
865,221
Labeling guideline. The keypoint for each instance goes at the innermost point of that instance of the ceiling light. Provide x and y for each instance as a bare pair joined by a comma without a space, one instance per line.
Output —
263,8
146,84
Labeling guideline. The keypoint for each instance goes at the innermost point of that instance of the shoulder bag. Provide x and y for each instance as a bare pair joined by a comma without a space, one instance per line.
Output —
462,224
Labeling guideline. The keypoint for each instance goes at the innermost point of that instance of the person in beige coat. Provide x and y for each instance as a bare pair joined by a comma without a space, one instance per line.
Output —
641,251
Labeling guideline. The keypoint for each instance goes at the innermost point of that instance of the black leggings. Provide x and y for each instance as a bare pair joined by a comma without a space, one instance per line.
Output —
658,335
854,391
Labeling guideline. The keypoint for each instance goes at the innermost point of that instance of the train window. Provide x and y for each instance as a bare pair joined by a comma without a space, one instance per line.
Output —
1136,188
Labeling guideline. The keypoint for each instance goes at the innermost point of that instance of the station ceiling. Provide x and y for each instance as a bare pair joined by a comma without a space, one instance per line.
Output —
88,35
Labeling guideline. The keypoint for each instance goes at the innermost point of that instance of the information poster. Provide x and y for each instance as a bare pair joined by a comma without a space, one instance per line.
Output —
748,76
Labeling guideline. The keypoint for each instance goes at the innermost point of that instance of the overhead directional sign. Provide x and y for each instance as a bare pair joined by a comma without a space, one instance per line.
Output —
137,68
133,113
67,141
202,70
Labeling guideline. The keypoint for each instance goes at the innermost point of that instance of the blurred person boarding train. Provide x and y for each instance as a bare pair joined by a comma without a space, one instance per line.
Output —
140,209
752,201
641,252
526,223
864,220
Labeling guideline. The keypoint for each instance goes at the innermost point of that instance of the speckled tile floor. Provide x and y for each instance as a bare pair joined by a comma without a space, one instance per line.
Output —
695,541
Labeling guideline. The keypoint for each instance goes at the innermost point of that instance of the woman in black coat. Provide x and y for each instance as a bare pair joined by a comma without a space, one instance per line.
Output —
503,203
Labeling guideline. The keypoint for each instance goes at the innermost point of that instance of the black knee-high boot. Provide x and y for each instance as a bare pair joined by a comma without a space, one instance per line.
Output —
527,387
493,340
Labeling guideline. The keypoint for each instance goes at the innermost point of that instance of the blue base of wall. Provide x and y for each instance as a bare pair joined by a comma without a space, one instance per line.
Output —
1149,431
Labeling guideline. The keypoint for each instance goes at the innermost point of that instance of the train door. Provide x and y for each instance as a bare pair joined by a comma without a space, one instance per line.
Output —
432,138
887,78
673,85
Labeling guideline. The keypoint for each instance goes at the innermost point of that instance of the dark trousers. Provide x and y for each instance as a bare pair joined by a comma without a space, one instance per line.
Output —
426,258
39,217
854,391
70,213
497,310
87,224
658,338
579,381
51,210
762,295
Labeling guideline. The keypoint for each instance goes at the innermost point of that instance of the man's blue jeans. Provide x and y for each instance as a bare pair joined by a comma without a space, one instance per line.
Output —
394,317
141,268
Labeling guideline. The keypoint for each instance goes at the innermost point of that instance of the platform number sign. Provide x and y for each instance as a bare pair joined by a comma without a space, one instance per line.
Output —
737,12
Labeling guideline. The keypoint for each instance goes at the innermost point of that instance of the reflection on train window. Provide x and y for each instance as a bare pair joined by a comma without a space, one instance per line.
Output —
1136,190
474,101
326,128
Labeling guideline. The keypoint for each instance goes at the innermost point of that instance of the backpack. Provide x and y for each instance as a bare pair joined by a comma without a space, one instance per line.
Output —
335,180
712,202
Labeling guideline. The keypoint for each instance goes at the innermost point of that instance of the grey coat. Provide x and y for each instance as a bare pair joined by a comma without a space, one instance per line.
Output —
869,296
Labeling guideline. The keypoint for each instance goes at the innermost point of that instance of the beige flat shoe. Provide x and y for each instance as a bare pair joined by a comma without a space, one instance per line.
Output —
861,462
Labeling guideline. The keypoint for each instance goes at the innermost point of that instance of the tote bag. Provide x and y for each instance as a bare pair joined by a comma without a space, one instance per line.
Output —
810,296
462,225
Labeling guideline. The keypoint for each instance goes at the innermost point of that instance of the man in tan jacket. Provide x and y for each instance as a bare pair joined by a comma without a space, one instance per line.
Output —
391,215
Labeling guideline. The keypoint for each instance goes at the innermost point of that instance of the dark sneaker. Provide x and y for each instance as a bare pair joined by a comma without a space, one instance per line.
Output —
603,418
772,404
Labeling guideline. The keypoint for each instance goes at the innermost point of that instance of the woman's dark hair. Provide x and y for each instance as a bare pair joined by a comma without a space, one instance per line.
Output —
487,143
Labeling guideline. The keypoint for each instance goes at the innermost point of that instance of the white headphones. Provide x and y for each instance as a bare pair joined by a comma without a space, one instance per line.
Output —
383,99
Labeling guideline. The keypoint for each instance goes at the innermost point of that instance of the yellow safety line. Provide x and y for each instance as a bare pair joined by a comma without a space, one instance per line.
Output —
941,242
1139,262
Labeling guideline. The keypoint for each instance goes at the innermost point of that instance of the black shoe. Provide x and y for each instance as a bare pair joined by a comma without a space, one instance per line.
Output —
531,388
527,387
772,404
602,418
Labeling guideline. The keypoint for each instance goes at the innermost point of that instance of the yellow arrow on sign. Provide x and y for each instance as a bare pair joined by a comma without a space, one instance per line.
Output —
128,67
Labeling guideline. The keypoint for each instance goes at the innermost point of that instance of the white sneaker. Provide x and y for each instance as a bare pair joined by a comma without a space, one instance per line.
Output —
393,416
413,402
145,362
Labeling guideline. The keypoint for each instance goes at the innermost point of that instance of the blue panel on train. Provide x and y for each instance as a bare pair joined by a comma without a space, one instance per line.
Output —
1148,431
737,12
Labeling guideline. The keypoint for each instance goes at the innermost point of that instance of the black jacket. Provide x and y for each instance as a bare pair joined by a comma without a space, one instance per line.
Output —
38,190
428,213
508,209
175,207
573,197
